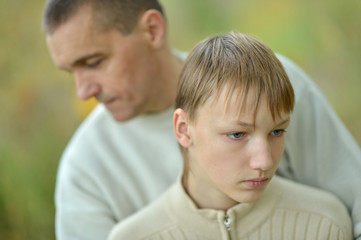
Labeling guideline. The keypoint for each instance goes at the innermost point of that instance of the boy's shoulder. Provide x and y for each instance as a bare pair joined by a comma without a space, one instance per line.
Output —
151,220
303,196
312,202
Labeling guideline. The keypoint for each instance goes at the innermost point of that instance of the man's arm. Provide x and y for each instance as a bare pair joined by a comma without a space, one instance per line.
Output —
79,205
83,194
320,151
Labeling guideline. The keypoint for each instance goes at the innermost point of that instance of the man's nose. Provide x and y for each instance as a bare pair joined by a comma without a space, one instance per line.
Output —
261,156
86,87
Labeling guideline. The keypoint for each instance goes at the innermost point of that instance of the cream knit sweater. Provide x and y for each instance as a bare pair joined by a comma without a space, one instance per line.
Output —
286,211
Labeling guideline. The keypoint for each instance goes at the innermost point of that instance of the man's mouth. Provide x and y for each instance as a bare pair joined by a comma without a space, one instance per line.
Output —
109,102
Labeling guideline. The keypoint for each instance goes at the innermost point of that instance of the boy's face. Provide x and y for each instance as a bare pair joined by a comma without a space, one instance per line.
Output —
232,157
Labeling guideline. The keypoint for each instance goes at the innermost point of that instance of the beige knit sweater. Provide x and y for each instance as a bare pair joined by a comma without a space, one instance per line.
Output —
286,211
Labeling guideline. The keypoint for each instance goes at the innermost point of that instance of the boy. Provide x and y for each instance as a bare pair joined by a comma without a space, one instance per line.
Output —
233,107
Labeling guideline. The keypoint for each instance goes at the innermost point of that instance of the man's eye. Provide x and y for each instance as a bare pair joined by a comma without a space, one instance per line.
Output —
236,135
278,132
93,64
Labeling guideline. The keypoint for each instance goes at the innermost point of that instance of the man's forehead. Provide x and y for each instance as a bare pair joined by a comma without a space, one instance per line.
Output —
72,42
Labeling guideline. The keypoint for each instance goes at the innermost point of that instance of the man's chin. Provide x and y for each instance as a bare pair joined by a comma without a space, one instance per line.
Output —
122,116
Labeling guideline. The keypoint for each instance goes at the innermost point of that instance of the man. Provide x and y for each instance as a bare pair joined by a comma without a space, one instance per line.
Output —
113,166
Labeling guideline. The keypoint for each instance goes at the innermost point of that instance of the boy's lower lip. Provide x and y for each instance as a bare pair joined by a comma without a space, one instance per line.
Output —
256,183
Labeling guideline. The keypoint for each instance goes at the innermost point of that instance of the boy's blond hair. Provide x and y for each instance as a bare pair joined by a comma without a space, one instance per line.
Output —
241,63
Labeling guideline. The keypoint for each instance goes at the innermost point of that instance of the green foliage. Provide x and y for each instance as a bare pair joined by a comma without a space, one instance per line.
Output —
323,37
39,112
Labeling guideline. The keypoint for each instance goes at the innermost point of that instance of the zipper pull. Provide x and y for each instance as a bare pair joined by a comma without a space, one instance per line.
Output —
227,222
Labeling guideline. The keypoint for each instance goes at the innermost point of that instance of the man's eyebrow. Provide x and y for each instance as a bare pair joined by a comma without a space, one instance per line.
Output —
78,61
84,58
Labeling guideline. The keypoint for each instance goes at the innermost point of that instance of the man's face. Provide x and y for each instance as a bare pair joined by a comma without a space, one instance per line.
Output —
233,156
117,70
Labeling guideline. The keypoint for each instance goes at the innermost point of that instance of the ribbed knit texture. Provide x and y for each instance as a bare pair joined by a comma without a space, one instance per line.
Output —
301,226
285,224
286,211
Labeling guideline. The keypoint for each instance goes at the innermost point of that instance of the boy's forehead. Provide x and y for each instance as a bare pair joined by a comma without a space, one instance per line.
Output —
231,101
231,97
234,108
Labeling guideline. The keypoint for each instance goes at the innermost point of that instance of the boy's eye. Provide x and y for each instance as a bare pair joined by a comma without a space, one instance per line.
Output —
278,132
236,135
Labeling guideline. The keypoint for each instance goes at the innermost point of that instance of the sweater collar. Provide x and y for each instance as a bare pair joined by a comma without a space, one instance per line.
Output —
245,217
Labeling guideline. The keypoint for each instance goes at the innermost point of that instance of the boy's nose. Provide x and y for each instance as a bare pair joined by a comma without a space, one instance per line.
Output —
261,157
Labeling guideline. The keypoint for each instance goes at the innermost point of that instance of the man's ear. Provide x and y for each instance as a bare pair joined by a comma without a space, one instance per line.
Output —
181,128
152,24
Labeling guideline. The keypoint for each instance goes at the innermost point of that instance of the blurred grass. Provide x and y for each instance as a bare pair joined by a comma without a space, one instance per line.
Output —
40,112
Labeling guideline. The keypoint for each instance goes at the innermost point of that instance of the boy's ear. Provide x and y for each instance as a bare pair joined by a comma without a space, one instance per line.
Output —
181,128
152,24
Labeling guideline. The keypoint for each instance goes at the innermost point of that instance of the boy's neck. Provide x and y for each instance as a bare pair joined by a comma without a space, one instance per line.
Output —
209,198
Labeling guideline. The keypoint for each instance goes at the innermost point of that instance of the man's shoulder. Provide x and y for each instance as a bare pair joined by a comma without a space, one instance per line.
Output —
301,82
97,121
89,136
103,148
100,133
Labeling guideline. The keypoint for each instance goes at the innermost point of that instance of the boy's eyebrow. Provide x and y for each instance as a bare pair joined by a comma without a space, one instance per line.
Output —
283,122
244,124
250,125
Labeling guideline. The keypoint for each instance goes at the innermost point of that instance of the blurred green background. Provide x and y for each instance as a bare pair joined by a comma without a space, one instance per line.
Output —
39,109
